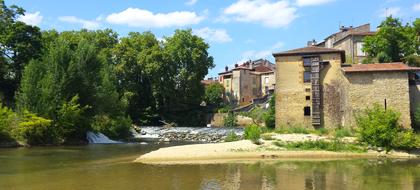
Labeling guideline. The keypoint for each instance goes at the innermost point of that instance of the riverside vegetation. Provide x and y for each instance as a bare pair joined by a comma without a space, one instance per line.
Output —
59,85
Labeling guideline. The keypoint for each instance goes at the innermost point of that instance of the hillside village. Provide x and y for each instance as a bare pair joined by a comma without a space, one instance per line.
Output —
323,84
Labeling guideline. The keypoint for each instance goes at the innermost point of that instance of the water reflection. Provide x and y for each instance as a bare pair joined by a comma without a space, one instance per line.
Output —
110,167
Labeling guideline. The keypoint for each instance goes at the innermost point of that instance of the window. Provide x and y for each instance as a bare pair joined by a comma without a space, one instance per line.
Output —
307,90
308,98
307,61
306,76
307,111
227,83
266,80
359,46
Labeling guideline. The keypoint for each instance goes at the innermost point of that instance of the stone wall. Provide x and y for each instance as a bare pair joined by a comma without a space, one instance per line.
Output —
368,88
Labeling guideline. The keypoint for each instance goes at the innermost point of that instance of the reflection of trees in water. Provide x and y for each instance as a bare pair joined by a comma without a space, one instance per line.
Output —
316,175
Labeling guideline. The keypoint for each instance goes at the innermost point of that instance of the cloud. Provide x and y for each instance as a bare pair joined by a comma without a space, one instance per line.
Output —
311,2
88,24
394,11
416,7
265,53
213,35
32,18
191,2
143,18
270,14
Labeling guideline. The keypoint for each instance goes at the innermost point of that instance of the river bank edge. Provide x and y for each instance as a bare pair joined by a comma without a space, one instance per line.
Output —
246,151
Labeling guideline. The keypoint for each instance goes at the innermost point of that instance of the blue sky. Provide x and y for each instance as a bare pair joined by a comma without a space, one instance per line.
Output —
236,30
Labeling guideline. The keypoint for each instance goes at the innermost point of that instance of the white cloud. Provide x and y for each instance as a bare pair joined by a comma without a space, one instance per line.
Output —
143,18
213,35
394,11
311,2
416,7
191,2
265,53
32,18
271,14
88,24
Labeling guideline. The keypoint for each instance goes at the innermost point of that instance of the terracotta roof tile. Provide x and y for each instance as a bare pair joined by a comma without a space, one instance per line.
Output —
309,50
379,67
262,69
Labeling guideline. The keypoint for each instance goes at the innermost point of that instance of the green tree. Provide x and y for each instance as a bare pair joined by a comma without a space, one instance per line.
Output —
189,62
19,43
393,42
213,94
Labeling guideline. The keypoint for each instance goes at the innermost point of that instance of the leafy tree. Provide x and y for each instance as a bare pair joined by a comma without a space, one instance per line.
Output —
213,94
19,43
189,62
71,121
8,120
35,130
270,116
393,42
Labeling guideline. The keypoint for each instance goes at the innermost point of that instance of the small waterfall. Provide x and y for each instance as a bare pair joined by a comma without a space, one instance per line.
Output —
99,138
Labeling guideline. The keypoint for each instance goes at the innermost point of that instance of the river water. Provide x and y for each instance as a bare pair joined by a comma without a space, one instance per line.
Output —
103,167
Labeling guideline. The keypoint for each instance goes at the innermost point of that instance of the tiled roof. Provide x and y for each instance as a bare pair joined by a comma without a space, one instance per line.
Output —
309,50
379,67
263,69
207,82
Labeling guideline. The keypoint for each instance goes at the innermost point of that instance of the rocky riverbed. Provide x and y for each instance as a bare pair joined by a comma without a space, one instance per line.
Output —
187,134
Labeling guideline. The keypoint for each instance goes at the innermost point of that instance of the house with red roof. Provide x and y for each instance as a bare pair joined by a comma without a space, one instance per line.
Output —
248,81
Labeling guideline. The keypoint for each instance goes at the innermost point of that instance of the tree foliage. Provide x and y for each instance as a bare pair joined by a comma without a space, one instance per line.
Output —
19,43
393,42
213,94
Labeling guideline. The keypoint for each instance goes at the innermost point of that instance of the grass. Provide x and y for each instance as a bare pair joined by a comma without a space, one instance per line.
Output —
343,132
232,137
267,136
335,146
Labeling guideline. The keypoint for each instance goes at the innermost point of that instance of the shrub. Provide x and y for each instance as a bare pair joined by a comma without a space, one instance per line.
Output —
8,119
232,137
35,130
321,131
230,120
114,128
270,116
253,133
416,122
379,127
71,120
406,140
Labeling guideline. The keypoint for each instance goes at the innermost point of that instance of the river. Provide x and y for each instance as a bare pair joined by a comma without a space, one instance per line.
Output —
104,167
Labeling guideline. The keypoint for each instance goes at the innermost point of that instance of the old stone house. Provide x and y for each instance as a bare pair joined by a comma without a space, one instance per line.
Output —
250,80
315,88
349,39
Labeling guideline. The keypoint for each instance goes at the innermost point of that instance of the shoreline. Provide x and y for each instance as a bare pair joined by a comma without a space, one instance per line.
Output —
246,151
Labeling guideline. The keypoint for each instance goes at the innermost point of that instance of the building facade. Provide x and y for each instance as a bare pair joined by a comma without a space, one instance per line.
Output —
349,39
250,80
315,88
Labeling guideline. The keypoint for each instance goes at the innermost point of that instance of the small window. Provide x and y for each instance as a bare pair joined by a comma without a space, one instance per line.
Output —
266,80
307,90
359,47
308,98
307,111
306,76
307,62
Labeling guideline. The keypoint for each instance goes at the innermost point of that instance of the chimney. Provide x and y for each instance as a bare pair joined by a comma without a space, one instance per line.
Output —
311,43
226,68
236,65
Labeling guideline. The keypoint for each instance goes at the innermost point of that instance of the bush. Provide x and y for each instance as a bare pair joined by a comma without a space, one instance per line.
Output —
230,120
8,119
115,128
406,140
232,137
71,120
34,130
270,116
253,133
379,127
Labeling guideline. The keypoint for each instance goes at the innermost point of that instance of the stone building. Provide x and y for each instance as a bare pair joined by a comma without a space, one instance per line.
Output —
315,88
349,39
250,80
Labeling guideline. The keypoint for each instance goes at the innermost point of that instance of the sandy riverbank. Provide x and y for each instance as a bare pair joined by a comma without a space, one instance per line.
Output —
244,151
